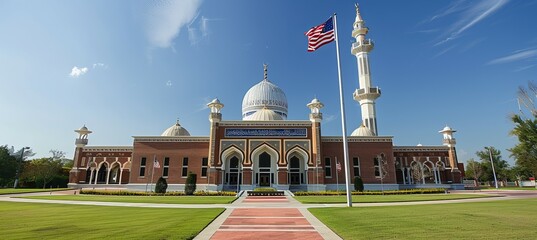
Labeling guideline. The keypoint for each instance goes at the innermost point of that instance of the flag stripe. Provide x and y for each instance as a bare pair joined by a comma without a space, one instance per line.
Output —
320,35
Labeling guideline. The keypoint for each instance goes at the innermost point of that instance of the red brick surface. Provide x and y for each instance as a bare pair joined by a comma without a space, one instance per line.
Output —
266,223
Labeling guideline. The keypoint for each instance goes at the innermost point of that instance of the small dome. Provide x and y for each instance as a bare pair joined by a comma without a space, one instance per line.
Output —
447,129
419,145
264,94
83,128
215,101
362,131
175,130
264,114
315,100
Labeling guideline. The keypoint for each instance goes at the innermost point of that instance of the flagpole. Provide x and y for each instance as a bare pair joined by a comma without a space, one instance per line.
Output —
152,173
337,176
343,125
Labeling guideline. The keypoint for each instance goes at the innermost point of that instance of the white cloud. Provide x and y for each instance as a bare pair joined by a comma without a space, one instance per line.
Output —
329,118
78,71
169,83
469,16
516,56
99,65
202,32
167,17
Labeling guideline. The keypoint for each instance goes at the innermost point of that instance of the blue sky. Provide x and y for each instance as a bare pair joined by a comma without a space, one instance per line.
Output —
130,69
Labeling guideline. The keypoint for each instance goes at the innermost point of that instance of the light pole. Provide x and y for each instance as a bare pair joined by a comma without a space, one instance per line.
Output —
493,171
17,173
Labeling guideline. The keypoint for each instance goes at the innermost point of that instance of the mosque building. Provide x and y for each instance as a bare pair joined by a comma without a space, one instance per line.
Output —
264,149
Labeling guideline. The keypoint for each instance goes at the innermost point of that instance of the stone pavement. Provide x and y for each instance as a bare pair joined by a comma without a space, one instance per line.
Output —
276,217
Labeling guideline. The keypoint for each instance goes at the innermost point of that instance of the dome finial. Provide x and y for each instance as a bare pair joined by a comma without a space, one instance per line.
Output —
177,122
265,70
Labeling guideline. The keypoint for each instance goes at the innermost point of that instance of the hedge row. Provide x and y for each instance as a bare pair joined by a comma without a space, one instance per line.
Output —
265,189
133,193
387,192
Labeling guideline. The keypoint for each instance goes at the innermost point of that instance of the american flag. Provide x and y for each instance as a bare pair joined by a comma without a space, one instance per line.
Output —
320,35
338,167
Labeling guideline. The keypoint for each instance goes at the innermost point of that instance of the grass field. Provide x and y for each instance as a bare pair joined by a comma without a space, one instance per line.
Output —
506,219
142,199
508,188
58,221
28,190
386,198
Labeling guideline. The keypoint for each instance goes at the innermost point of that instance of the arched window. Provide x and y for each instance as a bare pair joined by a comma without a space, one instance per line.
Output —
264,160
101,176
233,163
295,163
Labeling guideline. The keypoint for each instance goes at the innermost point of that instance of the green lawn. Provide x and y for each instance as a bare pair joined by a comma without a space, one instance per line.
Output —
509,188
59,221
142,199
28,190
506,219
386,198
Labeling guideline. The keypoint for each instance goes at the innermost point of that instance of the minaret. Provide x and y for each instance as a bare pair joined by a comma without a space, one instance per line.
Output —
215,116
366,94
450,142
80,143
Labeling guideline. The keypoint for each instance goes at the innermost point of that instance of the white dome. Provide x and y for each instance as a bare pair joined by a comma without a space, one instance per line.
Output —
362,131
264,114
264,95
175,130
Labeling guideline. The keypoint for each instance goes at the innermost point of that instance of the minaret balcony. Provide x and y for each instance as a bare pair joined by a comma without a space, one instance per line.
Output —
371,93
81,142
365,45
449,141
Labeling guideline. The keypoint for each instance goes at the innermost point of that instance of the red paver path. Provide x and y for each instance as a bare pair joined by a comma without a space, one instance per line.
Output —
266,223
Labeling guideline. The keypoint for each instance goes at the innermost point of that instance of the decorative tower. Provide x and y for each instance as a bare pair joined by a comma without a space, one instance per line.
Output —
315,117
366,94
450,142
80,143
215,116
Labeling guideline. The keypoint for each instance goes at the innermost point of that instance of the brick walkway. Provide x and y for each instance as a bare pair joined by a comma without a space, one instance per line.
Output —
266,223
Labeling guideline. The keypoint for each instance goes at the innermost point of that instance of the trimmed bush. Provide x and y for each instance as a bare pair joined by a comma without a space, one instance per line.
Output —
389,192
358,184
265,189
161,185
190,186
133,193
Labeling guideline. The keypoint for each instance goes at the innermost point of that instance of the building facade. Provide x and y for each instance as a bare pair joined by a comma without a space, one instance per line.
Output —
264,149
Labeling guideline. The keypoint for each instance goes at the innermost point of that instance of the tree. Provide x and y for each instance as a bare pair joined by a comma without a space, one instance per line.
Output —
42,170
474,170
500,166
525,152
190,186
8,166
161,185
358,184
60,155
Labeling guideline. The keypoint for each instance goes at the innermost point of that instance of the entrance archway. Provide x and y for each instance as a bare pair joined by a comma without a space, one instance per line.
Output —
231,166
265,160
297,162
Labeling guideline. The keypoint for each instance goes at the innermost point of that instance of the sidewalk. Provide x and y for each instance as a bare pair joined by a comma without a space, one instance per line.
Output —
267,218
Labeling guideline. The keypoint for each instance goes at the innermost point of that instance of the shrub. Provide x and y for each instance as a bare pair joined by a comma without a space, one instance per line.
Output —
358,184
161,185
265,189
389,192
190,186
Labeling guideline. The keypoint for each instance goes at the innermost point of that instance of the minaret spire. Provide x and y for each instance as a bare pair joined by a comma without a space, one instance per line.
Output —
265,70
366,94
